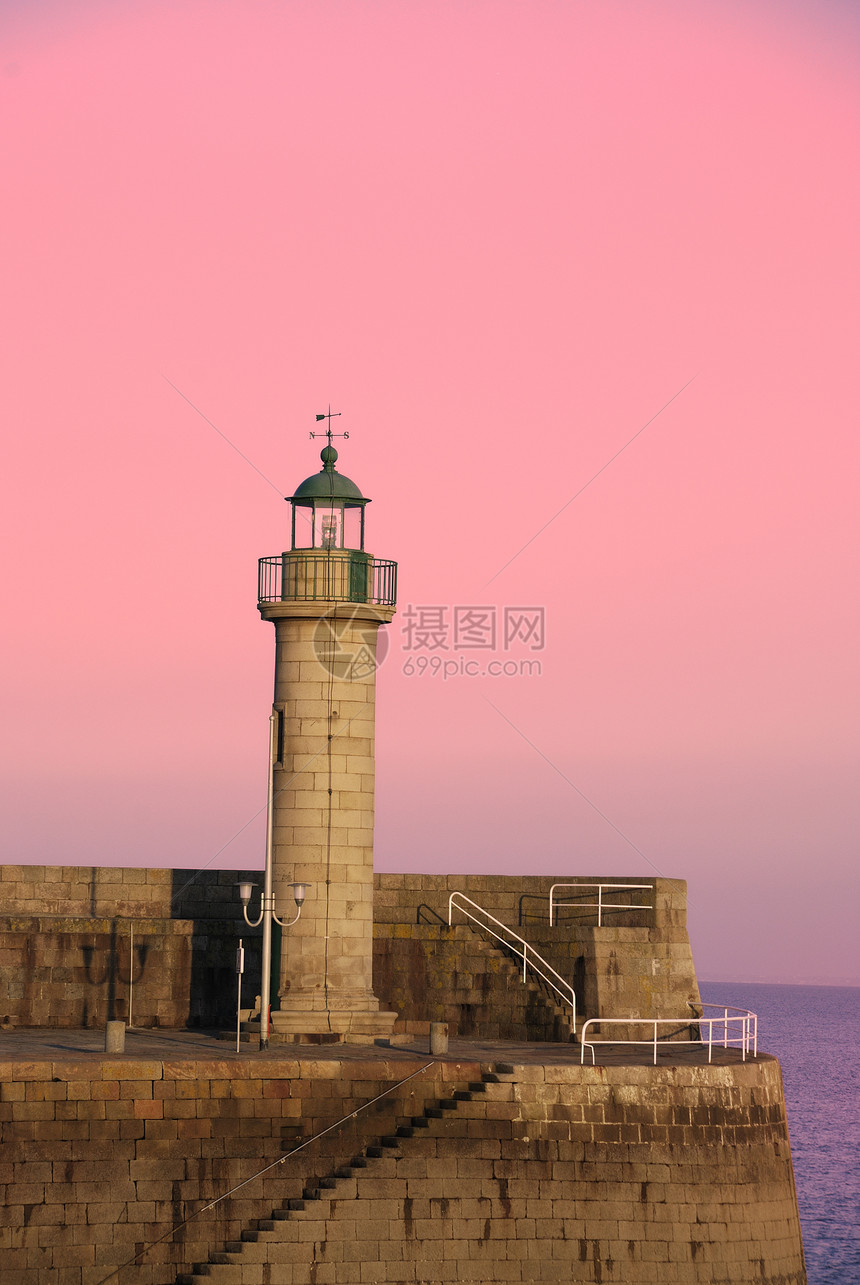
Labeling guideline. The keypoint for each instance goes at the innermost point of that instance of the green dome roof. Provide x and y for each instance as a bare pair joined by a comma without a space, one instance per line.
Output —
328,483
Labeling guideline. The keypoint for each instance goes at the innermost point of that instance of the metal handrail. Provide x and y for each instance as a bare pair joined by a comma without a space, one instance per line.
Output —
530,957
600,904
341,576
746,1039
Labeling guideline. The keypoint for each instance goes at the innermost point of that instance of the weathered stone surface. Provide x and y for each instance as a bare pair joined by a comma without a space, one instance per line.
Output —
690,1182
173,934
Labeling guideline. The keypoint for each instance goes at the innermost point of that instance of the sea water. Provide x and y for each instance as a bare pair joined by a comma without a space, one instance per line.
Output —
815,1033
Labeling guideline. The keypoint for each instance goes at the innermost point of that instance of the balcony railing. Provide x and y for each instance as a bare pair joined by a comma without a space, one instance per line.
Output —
327,577
603,904
727,1027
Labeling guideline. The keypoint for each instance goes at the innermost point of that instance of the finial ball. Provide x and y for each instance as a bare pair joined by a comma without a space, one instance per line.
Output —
328,454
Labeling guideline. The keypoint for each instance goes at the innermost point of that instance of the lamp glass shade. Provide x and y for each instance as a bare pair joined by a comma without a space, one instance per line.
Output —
245,889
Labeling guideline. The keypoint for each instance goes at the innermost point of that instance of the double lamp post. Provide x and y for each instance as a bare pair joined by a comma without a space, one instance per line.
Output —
267,907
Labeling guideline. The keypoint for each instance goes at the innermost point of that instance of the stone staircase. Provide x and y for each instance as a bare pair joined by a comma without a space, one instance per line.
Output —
555,1014
289,1237
430,972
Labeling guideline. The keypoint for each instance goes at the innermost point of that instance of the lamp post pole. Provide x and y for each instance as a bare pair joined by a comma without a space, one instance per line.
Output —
267,906
268,894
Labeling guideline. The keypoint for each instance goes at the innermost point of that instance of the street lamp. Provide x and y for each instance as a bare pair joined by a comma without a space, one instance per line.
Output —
245,890
267,900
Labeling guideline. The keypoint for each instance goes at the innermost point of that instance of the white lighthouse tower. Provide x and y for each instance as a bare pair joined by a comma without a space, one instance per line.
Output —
326,597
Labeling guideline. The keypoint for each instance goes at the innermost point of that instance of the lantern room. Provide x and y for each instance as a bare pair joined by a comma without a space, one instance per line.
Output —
328,510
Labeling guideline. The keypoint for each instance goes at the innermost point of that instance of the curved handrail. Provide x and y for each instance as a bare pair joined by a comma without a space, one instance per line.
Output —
600,905
740,1013
746,1038
513,941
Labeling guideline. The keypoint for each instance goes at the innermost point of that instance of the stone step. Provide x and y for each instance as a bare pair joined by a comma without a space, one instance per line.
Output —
312,1213
218,1273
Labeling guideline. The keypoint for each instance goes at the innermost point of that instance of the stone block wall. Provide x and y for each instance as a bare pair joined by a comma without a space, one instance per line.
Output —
101,1156
522,901
80,946
74,973
636,1175
66,949
637,964
427,973
117,892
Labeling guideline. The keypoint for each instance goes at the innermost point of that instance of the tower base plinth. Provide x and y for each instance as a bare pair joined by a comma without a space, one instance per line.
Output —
355,1026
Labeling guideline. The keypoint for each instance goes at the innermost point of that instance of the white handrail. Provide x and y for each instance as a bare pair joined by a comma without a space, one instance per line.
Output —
746,1038
600,903
530,957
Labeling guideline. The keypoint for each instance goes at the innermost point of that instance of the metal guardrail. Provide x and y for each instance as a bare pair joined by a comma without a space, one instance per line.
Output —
601,904
322,577
512,941
738,1031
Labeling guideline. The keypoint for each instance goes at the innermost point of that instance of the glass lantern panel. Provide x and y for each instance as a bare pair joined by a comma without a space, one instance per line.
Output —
328,527
303,527
352,535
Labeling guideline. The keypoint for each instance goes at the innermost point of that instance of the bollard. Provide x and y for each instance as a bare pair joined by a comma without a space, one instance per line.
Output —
438,1037
115,1037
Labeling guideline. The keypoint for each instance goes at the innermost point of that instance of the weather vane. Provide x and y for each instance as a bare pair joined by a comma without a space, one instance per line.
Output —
329,415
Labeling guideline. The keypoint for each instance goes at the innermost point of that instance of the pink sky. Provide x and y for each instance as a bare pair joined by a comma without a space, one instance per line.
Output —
498,237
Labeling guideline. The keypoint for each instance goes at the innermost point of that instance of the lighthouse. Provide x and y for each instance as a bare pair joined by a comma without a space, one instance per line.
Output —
327,598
